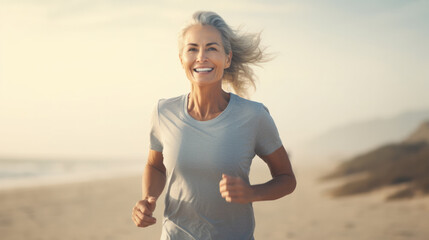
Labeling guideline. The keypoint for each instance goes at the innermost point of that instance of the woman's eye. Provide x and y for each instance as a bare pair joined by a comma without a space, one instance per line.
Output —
212,49
192,49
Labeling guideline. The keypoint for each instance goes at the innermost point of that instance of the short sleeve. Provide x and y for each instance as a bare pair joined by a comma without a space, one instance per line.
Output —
155,131
267,137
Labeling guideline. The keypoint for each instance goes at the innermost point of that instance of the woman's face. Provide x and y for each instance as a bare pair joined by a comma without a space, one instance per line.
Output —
203,56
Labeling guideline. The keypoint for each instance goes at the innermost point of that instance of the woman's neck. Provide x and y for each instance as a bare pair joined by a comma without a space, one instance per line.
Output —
206,103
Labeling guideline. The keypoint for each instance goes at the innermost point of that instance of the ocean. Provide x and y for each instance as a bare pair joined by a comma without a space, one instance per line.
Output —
17,173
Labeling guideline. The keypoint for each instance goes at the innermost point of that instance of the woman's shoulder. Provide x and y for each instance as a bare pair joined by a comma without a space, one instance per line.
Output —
247,105
171,103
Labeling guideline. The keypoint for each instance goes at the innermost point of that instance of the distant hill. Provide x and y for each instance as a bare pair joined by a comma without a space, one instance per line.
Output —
421,134
354,138
404,163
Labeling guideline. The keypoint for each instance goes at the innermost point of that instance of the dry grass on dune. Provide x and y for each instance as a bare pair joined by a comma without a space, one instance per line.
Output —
395,164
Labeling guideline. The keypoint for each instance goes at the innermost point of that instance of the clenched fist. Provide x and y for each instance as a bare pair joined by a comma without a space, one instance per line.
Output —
235,189
142,212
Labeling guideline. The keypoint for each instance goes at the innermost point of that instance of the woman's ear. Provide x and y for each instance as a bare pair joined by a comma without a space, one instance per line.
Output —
228,59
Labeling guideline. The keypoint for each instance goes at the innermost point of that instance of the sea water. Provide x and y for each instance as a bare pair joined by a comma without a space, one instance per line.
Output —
15,173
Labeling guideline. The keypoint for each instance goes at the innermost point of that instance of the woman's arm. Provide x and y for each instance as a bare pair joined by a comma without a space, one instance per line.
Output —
283,182
234,189
153,183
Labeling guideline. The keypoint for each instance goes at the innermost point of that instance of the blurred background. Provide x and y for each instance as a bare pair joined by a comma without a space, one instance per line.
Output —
79,78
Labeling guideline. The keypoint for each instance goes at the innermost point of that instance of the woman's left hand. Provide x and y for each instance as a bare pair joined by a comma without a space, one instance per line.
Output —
234,189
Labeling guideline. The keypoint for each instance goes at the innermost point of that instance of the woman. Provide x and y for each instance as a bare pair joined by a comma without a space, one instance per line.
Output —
202,143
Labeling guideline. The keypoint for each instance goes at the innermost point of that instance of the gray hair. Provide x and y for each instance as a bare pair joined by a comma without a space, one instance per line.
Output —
245,49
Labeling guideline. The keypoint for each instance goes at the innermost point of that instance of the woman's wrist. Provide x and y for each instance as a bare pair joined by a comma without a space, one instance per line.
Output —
255,193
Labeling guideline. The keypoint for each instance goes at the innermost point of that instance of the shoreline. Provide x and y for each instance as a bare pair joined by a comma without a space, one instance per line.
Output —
50,173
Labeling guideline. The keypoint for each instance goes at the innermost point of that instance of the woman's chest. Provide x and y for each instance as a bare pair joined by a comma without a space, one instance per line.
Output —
207,150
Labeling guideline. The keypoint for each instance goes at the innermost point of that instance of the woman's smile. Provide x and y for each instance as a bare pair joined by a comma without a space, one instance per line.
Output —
203,70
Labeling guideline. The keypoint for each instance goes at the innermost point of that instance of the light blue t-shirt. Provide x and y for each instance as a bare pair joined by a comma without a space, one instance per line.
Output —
197,153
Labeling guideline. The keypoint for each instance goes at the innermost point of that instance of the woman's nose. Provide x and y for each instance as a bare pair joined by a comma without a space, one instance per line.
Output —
201,56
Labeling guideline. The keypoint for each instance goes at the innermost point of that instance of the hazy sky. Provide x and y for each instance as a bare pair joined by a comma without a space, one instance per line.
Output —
79,78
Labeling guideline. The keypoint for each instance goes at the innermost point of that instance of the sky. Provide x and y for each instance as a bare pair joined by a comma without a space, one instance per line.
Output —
79,78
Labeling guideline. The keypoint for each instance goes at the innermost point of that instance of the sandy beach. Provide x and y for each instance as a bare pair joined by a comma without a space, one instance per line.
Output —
101,209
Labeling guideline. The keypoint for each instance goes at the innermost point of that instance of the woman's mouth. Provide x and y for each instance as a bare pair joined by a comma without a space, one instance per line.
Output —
203,70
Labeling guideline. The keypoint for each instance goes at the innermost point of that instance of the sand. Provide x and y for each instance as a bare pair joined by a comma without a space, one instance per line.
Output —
101,209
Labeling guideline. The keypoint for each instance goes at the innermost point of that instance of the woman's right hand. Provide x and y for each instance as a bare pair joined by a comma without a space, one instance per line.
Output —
142,212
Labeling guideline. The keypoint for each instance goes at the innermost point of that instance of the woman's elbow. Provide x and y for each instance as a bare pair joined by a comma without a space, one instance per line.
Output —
290,184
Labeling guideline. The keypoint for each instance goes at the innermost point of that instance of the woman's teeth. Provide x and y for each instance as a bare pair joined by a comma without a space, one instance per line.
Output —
203,69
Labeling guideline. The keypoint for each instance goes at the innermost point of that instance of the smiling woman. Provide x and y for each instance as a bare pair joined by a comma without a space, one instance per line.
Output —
202,143
203,57
245,48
